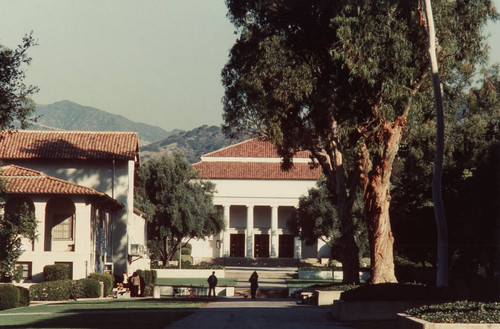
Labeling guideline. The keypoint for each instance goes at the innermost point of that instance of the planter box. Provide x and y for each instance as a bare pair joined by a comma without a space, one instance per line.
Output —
327,297
180,273
158,291
408,322
327,275
377,310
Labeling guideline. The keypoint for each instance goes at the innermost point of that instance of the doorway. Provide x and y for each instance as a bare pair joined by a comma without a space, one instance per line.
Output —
286,243
261,248
237,245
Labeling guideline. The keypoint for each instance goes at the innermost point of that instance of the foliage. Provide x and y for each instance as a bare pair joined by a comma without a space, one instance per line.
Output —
105,278
9,296
51,290
395,292
179,205
458,312
15,104
24,296
148,279
343,79
56,272
18,221
86,288
316,218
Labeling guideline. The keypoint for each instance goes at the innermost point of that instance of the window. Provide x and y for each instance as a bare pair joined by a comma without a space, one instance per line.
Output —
63,227
27,273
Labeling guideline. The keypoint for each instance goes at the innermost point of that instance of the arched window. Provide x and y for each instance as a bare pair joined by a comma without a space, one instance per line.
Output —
59,223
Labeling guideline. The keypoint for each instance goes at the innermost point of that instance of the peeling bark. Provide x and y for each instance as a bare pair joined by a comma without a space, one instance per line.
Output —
377,200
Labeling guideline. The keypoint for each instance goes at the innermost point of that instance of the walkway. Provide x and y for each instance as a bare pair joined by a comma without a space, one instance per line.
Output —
266,313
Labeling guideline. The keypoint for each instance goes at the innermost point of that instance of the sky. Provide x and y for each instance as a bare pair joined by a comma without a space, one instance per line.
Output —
152,61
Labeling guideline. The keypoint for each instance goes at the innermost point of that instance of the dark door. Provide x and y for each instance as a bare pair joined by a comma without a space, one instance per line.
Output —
261,248
237,245
285,246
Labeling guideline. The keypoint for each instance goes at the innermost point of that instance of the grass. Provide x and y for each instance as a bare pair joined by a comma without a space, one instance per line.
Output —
194,282
108,313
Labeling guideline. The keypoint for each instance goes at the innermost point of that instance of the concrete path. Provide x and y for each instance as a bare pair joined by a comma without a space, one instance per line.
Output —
261,314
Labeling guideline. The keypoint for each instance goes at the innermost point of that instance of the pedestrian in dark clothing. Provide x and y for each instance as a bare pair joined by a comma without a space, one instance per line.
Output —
212,282
254,284
134,285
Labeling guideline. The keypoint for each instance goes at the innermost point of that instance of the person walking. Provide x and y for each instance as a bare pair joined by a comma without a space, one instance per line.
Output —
212,282
254,284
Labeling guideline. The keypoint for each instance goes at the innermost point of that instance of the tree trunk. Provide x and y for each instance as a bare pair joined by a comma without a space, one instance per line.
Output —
349,254
377,200
442,279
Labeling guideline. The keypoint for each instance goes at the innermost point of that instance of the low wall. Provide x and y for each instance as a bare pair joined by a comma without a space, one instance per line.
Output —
327,275
159,291
188,273
376,310
408,322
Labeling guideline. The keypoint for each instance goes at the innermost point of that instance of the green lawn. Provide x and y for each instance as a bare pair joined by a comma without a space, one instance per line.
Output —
107,313
194,282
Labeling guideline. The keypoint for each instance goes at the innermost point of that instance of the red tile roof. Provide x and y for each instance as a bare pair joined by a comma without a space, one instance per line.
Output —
255,170
252,148
32,144
20,180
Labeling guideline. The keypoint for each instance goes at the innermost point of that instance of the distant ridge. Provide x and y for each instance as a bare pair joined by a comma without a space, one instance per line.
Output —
67,115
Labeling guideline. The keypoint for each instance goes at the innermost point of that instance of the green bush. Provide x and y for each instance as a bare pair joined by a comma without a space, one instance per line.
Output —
9,296
56,272
148,279
458,312
396,291
51,290
86,288
190,267
105,278
315,268
24,296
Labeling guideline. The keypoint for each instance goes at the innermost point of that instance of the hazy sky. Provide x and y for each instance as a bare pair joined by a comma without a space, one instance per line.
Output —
152,61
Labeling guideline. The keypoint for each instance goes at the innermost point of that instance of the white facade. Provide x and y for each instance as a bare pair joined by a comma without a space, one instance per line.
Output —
257,199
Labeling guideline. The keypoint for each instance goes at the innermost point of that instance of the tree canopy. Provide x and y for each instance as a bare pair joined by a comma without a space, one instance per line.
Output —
179,205
16,105
344,79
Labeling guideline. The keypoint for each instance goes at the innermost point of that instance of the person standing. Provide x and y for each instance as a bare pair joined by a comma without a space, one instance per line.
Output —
134,285
254,284
212,283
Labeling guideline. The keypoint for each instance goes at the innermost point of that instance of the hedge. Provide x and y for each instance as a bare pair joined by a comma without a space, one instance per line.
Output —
396,291
65,289
458,312
148,279
24,296
190,267
9,296
105,278
56,272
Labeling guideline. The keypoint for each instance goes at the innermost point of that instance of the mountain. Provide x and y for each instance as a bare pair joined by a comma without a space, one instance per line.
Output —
68,115
192,144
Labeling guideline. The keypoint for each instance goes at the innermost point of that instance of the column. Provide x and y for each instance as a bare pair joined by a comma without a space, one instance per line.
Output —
226,240
274,232
249,231
297,249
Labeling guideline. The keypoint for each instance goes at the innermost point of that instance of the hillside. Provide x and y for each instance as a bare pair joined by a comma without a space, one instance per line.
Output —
68,115
192,144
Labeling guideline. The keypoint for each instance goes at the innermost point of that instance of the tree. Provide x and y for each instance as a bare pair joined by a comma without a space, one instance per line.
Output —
343,79
16,105
18,222
316,218
179,205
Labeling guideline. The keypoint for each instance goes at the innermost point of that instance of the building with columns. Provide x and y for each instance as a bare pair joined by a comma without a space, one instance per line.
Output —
257,198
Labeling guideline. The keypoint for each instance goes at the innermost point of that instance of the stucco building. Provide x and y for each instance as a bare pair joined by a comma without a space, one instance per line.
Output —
257,198
80,186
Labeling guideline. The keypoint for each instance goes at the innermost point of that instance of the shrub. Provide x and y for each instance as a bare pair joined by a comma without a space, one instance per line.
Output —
190,267
458,312
148,279
24,297
86,288
105,278
9,296
315,268
396,291
56,272
51,290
